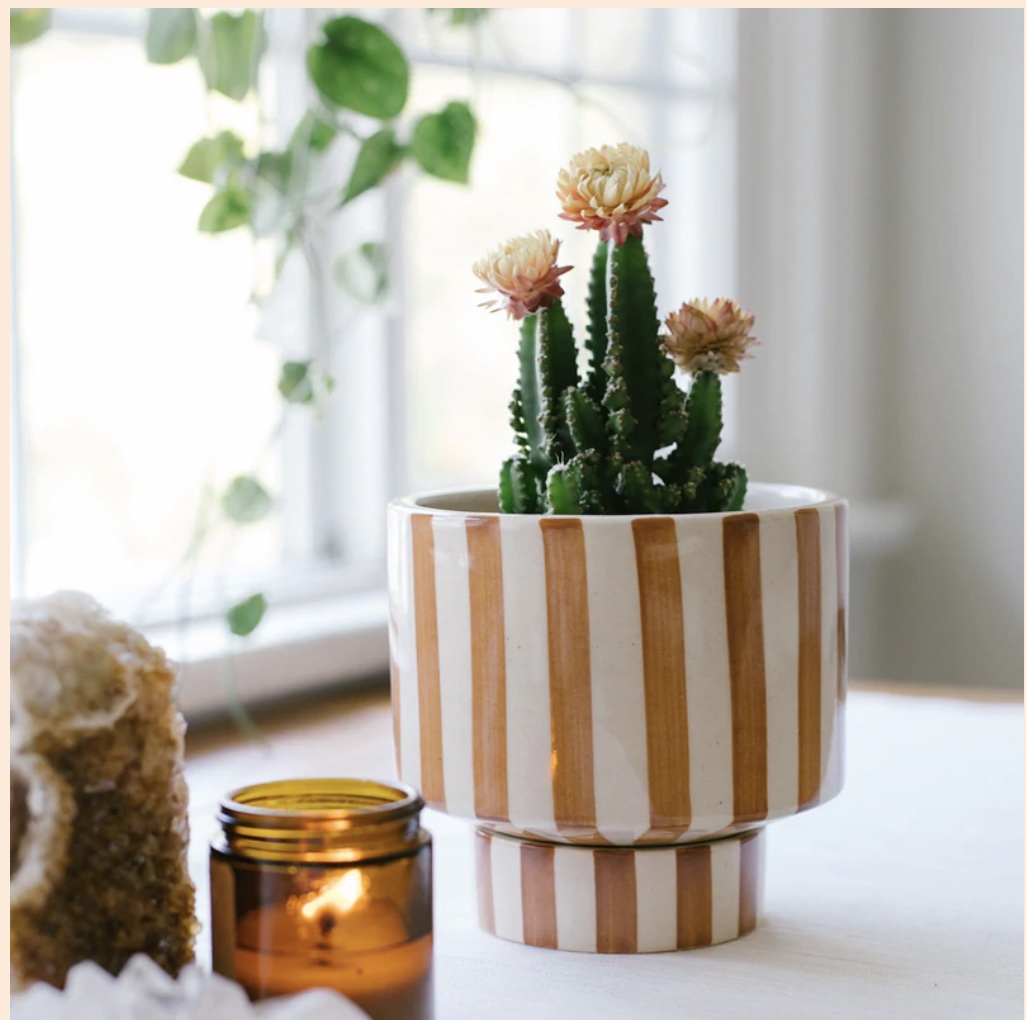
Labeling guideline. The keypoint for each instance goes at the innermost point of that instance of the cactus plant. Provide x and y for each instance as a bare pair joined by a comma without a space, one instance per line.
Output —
625,439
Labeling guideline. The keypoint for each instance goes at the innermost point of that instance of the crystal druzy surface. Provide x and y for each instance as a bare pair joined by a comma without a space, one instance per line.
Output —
144,992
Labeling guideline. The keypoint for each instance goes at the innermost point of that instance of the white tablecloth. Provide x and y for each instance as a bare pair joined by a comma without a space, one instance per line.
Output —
903,898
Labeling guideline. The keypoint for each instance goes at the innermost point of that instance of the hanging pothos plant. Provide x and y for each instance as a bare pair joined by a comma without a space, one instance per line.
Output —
358,72
356,68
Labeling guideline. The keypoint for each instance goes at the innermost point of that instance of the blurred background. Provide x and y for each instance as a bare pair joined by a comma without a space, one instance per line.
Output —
853,177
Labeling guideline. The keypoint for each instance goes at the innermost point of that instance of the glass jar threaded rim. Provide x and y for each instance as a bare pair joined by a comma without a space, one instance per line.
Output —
320,820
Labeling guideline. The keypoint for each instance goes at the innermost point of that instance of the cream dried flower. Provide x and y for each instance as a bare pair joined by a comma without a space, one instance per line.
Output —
610,190
709,337
523,273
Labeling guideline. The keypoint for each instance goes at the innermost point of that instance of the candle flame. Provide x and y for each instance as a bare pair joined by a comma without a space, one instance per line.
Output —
340,894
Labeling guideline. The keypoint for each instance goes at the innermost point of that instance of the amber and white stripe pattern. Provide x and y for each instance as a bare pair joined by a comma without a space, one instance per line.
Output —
620,680
596,900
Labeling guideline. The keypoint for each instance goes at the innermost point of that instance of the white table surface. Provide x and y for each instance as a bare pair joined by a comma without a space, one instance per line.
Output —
903,898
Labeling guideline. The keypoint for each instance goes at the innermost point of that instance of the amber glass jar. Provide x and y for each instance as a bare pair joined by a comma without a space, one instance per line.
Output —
325,883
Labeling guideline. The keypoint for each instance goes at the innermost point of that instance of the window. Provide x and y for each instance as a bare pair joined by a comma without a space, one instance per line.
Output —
144,378
138,380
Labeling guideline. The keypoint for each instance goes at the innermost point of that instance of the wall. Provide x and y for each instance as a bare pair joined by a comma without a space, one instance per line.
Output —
955,332
881,248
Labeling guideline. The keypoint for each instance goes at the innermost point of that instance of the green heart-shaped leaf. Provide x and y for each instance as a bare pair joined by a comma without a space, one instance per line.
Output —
229,208
360,67
246,500
378,155
244,617
208,154
301,383
230,47
444,142
294,382
170,34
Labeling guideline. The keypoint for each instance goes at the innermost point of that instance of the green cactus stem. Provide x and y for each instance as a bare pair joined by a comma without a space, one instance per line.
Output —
577,487
641,494
519,487
639,372
564,492
557,373
598,325
525,407
584,421
729,483
548,368
704,406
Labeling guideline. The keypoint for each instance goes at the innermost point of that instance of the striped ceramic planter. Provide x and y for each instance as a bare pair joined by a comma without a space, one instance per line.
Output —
621,681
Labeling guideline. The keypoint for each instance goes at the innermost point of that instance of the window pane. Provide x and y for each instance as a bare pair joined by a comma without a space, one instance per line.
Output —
540,39
614,42
141,377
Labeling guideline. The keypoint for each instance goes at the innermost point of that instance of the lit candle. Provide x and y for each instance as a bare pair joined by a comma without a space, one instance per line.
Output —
329,902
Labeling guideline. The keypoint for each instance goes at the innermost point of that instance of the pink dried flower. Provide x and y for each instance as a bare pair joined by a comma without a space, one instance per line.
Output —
710,337
610,190
523,273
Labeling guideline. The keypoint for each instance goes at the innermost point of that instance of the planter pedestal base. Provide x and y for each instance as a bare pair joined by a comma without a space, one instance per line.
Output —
619,899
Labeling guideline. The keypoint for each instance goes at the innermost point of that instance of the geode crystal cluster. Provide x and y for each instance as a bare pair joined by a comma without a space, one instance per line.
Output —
99,830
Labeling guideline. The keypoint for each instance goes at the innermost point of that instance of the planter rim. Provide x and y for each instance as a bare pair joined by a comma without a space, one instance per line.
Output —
771,498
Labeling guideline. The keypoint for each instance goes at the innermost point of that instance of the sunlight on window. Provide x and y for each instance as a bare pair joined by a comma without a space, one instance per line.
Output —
141,378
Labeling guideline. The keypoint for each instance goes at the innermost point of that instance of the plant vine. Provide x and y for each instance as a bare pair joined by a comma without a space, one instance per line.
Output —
360,83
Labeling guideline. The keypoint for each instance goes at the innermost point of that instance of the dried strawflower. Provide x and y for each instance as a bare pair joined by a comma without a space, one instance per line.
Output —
709,337
610,190
523,273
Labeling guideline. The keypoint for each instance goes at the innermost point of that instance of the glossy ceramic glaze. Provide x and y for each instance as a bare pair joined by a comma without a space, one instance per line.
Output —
622,680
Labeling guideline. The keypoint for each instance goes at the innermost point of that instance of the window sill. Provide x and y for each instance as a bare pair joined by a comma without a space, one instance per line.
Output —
300,647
